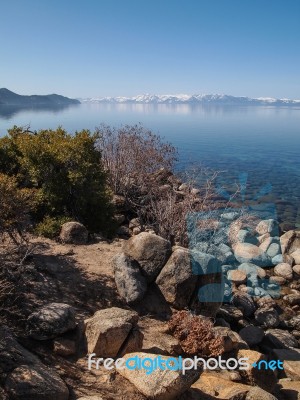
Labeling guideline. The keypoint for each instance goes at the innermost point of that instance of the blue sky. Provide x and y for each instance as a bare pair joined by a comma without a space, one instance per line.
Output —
127,47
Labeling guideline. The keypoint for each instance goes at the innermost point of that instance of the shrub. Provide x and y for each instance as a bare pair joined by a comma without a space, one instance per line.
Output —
195,334
50,226
66,170
16,205
130,155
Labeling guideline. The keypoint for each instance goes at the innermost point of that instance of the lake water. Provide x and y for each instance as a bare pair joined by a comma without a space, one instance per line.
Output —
259,144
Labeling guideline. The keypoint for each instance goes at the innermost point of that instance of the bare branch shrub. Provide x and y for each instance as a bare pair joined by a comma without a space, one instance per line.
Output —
195,334
130,154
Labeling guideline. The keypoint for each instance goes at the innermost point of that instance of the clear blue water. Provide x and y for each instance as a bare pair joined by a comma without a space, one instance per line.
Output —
262,142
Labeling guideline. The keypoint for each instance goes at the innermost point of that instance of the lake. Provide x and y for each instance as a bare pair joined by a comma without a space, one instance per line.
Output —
260,144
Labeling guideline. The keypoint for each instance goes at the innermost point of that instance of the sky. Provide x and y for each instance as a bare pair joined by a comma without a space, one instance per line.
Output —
127,47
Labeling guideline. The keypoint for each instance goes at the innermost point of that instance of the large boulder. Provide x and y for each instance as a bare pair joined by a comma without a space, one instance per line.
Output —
249,253
73,233
253,375
296,256
107,330
150,251
160,384
51,321
35,382
130,282
252,335
176,280
291,362
280,339
23,374
290,242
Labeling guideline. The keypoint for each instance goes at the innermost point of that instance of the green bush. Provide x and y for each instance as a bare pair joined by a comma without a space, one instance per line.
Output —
50,226
66,171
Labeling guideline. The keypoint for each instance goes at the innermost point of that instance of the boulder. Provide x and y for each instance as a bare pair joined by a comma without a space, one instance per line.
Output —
107,330
176,280
296,269
150,251
291,362
25,377
231,340
252,335
294,322
51,321
249,253
35,382
244,301
212,386
256,393
73,233
289,390
254,376
290,241
296,256
130,282
284,270
160,384
280,339
133,342
267,317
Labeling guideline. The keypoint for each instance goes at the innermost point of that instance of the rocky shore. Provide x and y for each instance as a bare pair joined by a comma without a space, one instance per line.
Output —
116,298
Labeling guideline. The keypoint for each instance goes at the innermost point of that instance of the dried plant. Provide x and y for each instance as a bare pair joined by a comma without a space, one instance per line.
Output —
195,334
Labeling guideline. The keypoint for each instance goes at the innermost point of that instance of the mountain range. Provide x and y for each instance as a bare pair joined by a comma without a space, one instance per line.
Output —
9,98
221,99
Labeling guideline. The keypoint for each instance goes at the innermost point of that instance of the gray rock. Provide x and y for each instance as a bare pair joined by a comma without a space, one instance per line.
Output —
231,340
284,270
150,251
268,226
281,339
293,299
252,335
168,385
244,301
294,322
35,382
277,259
230,313
249,253
244,236
26,378
256,393
51,321
176,280
267,317
107,330
296,256
291,362
130,282
73,233
296,269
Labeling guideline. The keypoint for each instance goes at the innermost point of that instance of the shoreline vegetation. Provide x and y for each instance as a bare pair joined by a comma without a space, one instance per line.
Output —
105,250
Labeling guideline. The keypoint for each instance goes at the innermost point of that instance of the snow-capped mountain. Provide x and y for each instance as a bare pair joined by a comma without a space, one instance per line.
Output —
193,99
